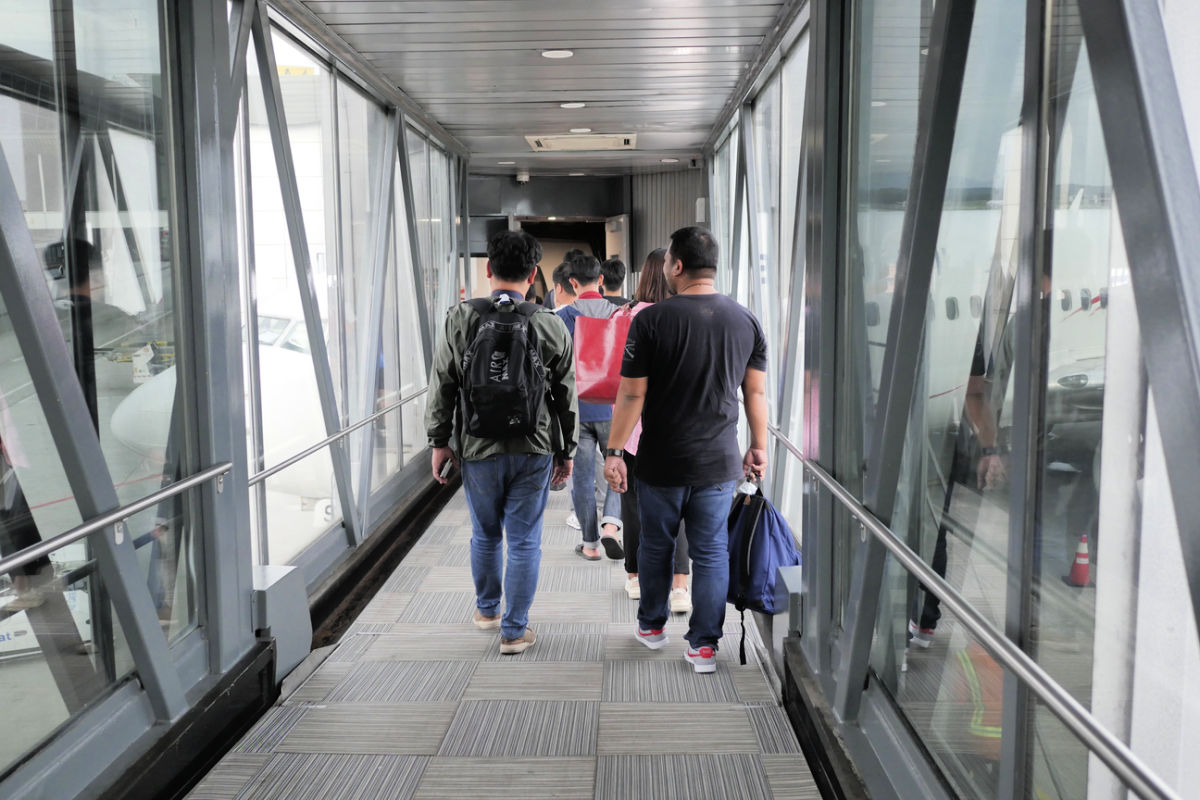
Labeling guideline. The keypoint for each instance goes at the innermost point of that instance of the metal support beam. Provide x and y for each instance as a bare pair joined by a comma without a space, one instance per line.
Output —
739,221
244,12
35,325
950,33
369,346
290,191
210,343
424,318
1154,178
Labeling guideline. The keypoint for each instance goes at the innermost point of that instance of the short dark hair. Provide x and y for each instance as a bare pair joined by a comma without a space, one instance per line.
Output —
584,268
561,273
613,272
696,248
513,255
653,287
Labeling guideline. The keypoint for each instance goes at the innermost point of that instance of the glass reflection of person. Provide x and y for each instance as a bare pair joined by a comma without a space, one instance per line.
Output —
18,531
991,471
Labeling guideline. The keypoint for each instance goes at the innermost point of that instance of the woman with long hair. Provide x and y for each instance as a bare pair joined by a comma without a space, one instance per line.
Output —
652,288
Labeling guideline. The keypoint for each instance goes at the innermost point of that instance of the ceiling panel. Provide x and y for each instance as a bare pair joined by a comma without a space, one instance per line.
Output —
663,69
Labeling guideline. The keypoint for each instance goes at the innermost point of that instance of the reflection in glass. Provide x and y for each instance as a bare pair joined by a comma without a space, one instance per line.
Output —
104,237
302,504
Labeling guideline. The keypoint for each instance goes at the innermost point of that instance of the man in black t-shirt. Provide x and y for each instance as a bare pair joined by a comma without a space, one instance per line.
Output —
685,359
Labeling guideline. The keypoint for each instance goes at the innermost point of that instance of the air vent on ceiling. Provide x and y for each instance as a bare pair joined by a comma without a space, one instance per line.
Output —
583,141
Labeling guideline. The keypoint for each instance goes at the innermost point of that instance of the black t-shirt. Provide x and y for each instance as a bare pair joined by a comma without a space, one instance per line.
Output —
695,350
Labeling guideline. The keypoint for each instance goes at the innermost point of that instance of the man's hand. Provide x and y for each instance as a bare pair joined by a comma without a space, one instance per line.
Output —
755,463
616,474
442,456
991,472
562,471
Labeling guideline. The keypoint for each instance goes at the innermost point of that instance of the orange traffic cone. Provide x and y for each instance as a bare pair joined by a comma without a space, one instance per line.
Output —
1081,572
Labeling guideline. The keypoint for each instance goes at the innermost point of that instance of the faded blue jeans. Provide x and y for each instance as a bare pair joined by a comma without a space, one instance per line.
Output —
593,438
506,495
705,511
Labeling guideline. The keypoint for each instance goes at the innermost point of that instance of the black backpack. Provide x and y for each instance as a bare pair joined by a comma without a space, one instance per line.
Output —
503,376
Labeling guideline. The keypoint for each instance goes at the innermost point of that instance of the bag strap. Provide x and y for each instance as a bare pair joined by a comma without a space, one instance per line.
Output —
742,650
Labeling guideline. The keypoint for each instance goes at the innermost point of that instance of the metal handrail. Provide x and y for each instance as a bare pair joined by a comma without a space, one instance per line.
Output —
1111,750
117,515
328,440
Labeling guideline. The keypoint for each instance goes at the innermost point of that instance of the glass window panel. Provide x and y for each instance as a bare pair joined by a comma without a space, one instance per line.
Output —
422,211
112,273
795,74
952,502
302,504
441,229
722,213
766,274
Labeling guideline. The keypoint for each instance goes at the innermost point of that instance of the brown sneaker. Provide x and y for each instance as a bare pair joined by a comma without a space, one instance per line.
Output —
485,622
511,646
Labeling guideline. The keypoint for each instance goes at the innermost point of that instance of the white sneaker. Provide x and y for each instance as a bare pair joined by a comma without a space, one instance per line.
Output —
680,601
573,521
633,588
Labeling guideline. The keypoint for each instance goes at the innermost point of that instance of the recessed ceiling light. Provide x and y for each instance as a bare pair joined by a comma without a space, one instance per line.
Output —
878,103
670,160
552,218
581,130
506,163
571,105
576,174
557,53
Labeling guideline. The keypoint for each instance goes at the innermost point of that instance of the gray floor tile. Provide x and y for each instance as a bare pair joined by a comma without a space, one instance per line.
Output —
573,607
665,682
695,777
531,778
555,647
440,607
369,627
484,728
314,776
385,608
406,578
403,682
269,731
465,645
773,729
320,683
441,532
752,686
789,777
227,780
674,728
402,729
449,579
510,680
351,647
572,579
621,645
455,555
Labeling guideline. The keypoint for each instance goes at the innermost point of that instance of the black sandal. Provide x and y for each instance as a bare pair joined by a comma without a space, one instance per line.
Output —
612,548
579,552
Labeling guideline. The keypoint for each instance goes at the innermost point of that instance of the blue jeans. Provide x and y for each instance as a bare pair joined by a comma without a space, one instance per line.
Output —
506,495
593,438
705,511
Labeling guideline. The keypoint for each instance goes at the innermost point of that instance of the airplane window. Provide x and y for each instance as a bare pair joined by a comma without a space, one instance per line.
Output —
1104,297
1085,299
872,311
976,306
1066,300
270,329
951,308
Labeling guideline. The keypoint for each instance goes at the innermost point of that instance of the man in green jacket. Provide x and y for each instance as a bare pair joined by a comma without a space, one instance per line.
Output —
506,480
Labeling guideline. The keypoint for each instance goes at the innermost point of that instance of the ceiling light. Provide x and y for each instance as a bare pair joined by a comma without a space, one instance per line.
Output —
552,219
557,53
571,105
581,130
506,163
670,160
878,103
576,174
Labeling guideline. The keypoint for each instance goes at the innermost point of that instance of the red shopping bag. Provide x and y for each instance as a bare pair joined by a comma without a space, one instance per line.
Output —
599,346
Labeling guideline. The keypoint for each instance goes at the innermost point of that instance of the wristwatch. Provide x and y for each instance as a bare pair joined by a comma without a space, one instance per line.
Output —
609,452
989,451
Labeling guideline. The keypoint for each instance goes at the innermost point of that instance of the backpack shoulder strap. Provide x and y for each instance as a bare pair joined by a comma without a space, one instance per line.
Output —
527,308
480,305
